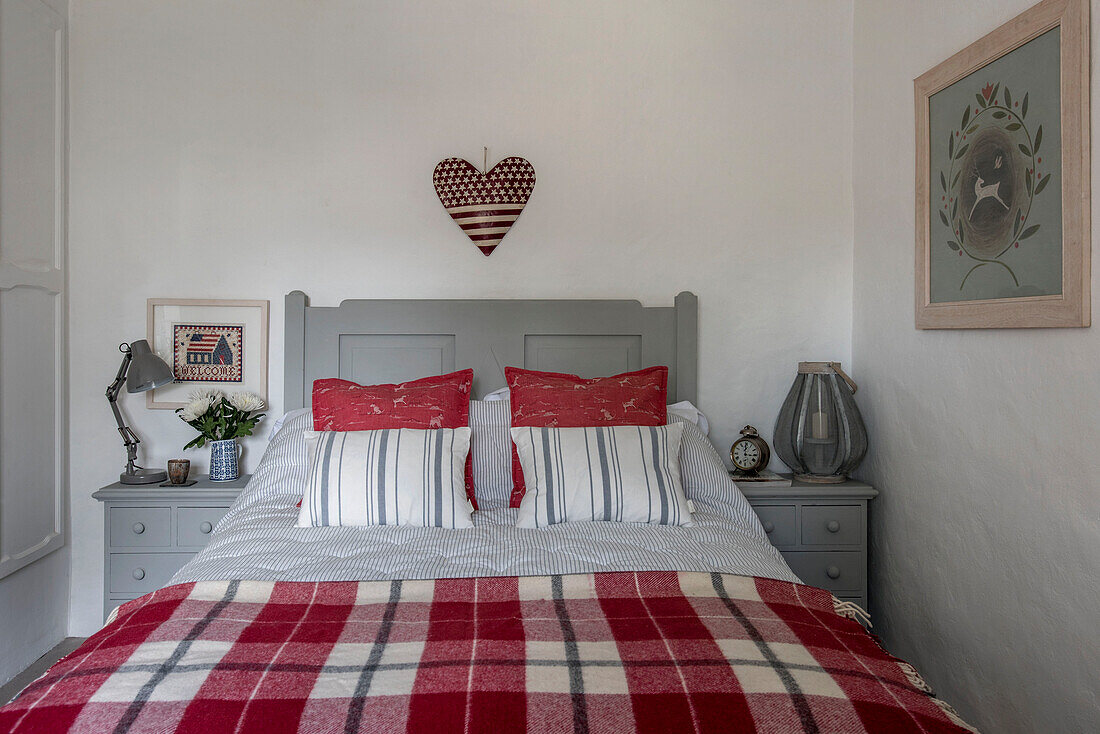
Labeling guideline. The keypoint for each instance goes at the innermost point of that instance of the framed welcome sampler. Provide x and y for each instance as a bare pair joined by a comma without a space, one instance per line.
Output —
1002,180
221,344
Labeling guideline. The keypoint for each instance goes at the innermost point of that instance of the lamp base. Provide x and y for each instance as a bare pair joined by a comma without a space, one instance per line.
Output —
822,478
143,476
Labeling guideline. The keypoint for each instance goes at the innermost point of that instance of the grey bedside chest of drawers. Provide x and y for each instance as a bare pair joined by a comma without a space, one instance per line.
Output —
151,531
821,531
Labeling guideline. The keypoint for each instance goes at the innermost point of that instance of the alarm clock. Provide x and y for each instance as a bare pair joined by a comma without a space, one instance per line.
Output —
750,453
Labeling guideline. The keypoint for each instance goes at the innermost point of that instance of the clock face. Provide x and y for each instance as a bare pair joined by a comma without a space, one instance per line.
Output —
745,455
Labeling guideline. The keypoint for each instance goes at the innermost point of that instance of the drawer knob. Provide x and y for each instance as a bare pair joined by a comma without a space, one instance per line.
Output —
769,526
139,528
205,527
832,526
832,572
139,573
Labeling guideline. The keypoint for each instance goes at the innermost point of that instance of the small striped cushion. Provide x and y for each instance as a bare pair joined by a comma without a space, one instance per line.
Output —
392,476
612,473
491,451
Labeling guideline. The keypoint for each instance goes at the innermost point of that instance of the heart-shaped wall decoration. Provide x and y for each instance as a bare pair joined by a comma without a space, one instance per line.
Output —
484,205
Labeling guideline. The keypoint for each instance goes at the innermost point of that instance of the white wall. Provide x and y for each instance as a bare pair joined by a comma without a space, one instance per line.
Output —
986,543
247,149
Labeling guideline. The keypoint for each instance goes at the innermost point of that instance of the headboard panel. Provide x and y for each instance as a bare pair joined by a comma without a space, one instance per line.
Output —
376,341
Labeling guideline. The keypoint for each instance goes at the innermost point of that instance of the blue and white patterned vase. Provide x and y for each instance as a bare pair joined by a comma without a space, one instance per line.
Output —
224,460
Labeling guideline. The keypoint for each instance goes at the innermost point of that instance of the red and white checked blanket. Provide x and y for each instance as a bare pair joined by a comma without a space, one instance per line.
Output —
647,651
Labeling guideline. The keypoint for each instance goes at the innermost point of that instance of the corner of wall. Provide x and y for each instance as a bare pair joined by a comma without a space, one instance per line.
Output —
984,467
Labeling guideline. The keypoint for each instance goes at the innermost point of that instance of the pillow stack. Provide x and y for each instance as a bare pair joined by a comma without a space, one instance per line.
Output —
431,402
386,454
582,450
569,401
594,449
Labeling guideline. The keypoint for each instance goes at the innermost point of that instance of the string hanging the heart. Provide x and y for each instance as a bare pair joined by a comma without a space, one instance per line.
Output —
484,204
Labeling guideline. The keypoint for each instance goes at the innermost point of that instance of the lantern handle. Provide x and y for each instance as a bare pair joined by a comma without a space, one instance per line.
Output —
835,367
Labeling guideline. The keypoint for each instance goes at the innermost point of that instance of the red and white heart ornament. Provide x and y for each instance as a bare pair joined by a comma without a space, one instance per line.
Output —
484,205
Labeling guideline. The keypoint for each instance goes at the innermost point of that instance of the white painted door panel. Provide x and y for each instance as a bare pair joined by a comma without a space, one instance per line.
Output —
32,283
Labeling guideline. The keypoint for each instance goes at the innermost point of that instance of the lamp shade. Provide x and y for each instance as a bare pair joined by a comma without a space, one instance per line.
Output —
147,370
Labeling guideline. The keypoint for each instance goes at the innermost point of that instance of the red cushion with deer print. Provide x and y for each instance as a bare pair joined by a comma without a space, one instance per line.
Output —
431,402
568,401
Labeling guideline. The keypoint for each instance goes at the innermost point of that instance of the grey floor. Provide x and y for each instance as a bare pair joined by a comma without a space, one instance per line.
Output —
9,690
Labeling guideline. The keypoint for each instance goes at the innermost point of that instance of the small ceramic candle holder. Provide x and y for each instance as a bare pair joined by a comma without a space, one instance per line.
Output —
178,470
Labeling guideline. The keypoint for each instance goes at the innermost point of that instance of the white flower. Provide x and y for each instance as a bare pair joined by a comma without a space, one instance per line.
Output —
246,402
205,393
196,408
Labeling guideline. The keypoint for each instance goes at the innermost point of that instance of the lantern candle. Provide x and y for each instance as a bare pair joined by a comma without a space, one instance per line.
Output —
819,422
820,426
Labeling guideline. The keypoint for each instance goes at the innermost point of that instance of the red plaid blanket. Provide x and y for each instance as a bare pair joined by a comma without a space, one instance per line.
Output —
610,652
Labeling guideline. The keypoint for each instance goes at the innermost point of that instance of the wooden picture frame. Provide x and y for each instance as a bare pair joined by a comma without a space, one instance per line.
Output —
221,344
993,139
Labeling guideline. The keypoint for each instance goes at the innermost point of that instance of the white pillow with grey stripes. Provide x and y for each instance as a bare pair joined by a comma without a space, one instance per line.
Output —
396,476
704,475
601,473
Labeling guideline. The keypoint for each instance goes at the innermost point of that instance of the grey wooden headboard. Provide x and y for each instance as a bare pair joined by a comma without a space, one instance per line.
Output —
380,341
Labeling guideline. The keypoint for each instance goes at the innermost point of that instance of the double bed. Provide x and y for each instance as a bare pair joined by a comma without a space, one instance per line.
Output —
580,626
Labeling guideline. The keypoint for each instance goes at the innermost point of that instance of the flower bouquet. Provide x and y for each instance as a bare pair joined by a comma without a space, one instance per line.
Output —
221,420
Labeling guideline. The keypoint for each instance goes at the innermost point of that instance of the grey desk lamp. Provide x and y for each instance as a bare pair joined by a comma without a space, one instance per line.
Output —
141,370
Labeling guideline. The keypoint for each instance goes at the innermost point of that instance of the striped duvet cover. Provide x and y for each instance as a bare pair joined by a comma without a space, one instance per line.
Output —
258,539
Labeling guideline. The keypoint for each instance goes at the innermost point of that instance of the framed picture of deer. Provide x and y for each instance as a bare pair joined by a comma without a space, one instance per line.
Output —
1002,179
